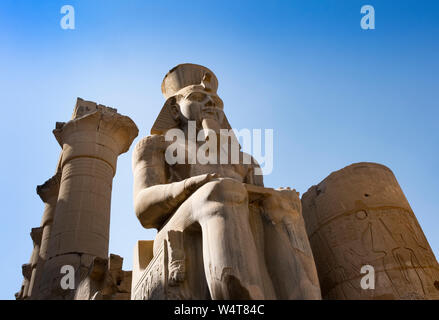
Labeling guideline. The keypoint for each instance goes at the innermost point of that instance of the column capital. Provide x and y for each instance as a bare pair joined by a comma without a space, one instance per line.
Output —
84,107
26,270
36,235
96,131
50,188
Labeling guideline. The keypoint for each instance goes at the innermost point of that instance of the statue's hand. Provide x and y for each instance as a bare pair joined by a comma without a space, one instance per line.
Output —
193,183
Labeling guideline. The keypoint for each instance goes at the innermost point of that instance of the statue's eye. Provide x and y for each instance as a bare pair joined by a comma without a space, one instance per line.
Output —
197,96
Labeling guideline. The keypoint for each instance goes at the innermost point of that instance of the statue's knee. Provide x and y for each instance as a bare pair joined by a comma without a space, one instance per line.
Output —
226,191
220,198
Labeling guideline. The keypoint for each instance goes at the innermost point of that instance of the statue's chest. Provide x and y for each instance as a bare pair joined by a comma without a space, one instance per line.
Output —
180,172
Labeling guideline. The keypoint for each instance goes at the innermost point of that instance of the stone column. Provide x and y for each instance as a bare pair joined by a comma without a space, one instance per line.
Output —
91,143
358,219
26,272
48,193
35,261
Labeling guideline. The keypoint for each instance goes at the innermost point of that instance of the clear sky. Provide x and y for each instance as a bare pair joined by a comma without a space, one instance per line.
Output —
333,93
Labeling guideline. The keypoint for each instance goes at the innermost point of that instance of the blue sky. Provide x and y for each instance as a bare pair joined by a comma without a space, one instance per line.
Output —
333,93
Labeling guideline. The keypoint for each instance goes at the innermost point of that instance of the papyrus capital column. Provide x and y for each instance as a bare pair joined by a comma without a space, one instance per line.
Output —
91,143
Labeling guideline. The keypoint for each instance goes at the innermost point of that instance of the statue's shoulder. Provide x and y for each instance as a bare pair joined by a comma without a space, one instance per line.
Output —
149,145
253,169
153,141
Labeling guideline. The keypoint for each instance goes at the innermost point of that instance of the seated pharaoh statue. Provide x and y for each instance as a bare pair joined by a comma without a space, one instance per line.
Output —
221,233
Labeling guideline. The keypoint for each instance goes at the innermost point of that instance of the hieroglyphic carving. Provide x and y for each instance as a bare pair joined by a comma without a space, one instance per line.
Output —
176,258
162,278
152,283
359,216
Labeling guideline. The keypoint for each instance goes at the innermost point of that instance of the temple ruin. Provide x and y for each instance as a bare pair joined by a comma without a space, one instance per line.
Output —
222,234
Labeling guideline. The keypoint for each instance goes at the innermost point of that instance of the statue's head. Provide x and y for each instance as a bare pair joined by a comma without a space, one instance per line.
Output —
190,92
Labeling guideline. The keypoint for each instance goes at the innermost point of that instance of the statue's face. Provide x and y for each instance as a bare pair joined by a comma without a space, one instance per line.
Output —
198,105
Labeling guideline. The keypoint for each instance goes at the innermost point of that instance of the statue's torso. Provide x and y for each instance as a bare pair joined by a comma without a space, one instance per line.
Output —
181,171
162,172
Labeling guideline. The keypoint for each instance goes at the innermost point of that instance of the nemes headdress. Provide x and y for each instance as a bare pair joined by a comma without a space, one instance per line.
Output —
176,80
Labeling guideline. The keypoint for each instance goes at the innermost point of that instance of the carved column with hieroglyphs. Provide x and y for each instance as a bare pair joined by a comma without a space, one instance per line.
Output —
359,216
